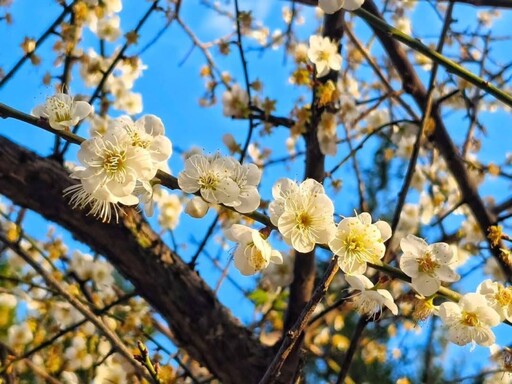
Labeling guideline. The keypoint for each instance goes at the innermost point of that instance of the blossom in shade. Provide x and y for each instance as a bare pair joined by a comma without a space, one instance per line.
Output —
108,28
427,265
324,54
253,252
357,242
304,213
247,177
331,6
370,300
498,296
170,209
19,334
235,102
62,111
470,320
212,177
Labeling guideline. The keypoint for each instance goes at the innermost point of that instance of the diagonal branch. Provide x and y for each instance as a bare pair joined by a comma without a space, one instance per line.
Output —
201,324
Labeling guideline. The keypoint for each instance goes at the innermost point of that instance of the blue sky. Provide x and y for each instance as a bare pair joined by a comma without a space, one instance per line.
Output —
171,87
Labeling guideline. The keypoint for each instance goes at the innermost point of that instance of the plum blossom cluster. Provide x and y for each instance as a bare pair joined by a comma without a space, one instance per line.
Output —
471,319
303,214
118,167
220,180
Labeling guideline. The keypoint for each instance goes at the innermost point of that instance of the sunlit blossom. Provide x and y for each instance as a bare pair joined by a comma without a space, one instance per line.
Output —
62,111
357,242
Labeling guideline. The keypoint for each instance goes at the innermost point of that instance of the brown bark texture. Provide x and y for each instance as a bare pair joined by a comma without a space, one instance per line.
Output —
200,323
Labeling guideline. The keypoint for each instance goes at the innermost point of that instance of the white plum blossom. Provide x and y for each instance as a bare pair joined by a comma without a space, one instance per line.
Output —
108,28
279,275
331,6
253,252
82,265
98,125
111,166
357,242
148,133
170,209
64,314
77,355
92,67
470,320
326,134
62,111
370,300
427,265
235,102
197,207
280,192
498,296
117,165
112,371
69,378
212,176
324,54
221,180
19,335
7,301
304,214
129,102
247,177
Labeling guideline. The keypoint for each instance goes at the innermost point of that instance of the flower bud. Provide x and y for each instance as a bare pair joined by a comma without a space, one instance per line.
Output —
196,207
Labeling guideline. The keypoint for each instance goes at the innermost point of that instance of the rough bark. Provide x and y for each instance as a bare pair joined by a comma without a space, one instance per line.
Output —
201,325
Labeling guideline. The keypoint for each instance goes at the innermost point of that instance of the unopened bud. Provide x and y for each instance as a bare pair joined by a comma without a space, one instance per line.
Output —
196,207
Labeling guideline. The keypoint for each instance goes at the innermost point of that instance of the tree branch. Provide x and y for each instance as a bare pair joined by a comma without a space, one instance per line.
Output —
201,324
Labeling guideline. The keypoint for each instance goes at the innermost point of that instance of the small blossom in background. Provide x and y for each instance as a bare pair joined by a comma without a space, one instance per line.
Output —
62,111
499,298
279,275
326,134
470,320
170,208
77,355
331,6
253,252
357,242
370,301
304,213
197,207
324,54
108,28
427,265
19,335
235,102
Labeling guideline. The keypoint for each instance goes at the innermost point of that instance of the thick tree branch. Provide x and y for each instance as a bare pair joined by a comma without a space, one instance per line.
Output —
201,324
